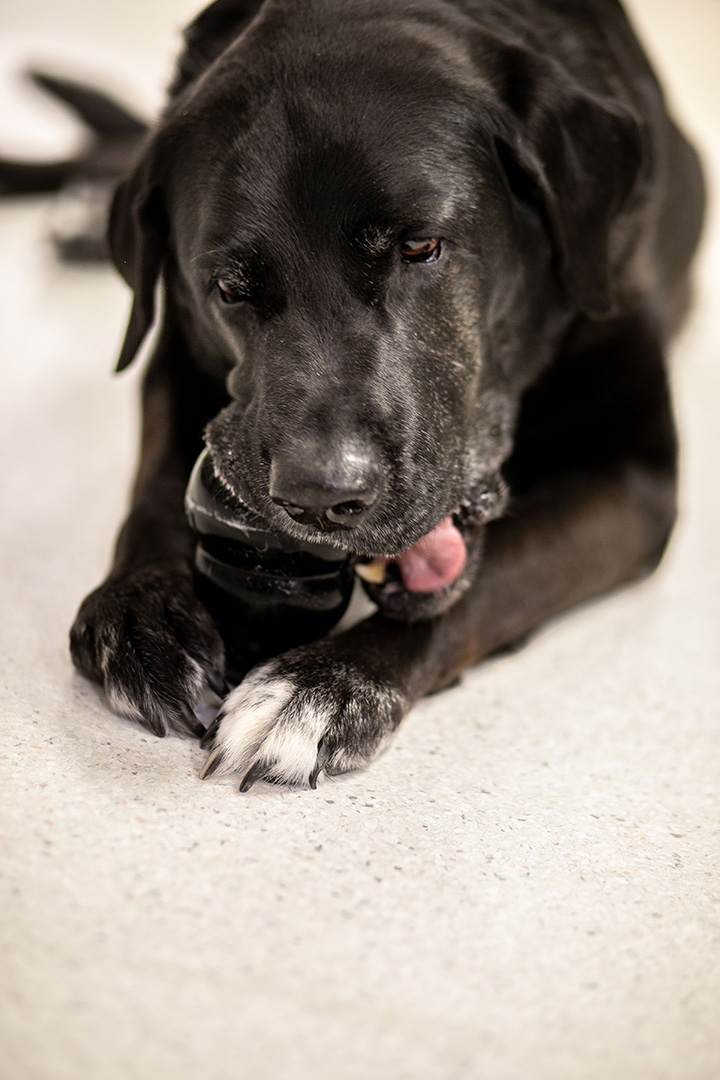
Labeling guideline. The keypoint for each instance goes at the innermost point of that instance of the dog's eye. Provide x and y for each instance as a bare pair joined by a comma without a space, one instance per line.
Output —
229,293
416,251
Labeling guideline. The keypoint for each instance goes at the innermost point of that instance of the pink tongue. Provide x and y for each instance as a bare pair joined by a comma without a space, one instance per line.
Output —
434,561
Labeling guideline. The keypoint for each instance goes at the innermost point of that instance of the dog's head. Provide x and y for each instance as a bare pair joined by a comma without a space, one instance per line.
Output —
375,226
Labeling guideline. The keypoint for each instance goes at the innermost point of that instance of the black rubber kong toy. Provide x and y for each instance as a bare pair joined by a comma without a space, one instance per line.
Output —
267,593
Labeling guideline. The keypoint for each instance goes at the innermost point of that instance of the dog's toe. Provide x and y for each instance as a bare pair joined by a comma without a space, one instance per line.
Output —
268,730
287,723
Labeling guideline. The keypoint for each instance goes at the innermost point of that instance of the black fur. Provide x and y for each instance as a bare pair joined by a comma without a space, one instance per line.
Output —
304,144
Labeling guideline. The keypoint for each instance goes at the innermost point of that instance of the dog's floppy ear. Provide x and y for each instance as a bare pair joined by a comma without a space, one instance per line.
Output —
208,35
137,237
583,154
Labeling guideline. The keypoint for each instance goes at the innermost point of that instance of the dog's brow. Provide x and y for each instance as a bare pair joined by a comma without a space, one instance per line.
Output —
207,254
376,239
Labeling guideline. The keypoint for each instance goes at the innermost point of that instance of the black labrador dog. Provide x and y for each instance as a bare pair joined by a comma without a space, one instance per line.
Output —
421,261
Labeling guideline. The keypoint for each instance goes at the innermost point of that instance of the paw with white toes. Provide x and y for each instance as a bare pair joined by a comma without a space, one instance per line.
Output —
299,715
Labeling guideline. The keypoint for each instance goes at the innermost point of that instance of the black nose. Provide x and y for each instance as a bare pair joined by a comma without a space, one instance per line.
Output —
325,487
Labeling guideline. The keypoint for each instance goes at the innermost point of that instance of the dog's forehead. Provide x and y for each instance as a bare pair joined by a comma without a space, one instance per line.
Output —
371,112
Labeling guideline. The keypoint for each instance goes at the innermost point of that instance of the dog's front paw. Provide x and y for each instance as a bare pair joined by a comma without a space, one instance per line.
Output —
300,714
153,647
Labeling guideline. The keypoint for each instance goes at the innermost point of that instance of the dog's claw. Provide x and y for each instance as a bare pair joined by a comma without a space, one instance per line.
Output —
190,722
212,764
259,770
323,755
209,737
313,778
154,724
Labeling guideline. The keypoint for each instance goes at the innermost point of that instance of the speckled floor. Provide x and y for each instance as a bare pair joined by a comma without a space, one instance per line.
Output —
525,887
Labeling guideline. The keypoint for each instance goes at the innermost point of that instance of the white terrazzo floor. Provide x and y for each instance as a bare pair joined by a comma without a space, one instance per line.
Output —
526,886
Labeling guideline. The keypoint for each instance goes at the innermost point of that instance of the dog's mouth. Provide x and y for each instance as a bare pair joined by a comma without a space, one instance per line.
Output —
432,563
431,574
426,578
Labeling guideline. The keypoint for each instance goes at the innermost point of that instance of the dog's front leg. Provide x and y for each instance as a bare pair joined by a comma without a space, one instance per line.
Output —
143,635
334,705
